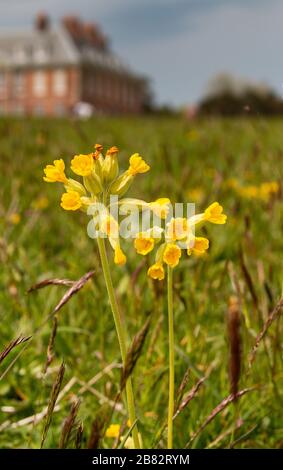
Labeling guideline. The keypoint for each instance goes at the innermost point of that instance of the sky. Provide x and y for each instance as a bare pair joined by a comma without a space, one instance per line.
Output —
178,44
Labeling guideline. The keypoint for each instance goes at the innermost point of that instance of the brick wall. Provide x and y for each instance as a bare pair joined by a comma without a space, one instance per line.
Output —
39,92
111,92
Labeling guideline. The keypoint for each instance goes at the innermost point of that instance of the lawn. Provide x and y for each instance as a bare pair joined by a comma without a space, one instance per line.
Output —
228,161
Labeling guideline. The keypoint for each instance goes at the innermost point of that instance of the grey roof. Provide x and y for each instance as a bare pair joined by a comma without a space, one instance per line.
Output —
54,47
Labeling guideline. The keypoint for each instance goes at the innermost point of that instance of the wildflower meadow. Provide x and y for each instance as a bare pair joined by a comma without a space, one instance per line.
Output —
141,283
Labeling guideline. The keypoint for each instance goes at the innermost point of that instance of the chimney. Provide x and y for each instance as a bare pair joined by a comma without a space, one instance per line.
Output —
94,36
73,26
42,22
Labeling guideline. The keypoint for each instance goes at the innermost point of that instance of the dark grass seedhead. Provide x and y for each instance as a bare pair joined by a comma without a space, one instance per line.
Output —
134,353
69,425
234,337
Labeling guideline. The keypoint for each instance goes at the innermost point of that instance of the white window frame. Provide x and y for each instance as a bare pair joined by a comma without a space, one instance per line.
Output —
39,83
59,83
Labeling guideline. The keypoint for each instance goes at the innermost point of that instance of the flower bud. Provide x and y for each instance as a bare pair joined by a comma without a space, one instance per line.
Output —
93,183
73,185
121,185
110,167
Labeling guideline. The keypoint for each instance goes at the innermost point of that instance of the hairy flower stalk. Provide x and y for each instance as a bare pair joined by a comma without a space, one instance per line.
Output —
171,358
178,234
120,333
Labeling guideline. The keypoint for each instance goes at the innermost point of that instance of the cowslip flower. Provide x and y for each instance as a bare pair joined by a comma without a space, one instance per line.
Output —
82,165
100,180
156,271
172,254
71,201
56,172
178,234
137,165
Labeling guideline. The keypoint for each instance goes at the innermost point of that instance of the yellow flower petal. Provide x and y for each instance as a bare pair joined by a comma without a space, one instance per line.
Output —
119,256
156,271
198,246
214,214
14,218
71,201
143,244
55,173
113,430
172,254
82,165
110,227
137,165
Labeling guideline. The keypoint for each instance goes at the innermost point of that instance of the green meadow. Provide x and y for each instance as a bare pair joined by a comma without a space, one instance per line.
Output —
238,163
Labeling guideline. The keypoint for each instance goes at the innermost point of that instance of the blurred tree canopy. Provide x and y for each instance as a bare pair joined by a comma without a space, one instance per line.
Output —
230,96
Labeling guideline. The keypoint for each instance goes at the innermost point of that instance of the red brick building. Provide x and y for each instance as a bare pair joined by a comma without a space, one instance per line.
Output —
49,70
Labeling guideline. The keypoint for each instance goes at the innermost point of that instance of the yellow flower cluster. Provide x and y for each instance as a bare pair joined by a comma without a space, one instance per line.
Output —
263,192
178,231
100,180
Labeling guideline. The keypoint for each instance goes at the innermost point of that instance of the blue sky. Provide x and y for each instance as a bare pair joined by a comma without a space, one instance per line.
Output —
179,44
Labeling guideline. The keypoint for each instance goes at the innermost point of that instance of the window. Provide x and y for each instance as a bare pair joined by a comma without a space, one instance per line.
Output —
59,83
18,83
39,83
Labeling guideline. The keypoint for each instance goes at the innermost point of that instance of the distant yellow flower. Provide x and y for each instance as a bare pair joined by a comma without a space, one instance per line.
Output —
193,135
266,190
137,165
156,271
214,214
113,430
198,246
82,165
232,183
196,194
143,243
160,207
119,256
40,203
172,254
56,172
249,192
71,201
263,192
177,228
14,218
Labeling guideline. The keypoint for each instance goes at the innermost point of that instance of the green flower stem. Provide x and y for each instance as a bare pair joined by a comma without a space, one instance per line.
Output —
171,357
120,332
